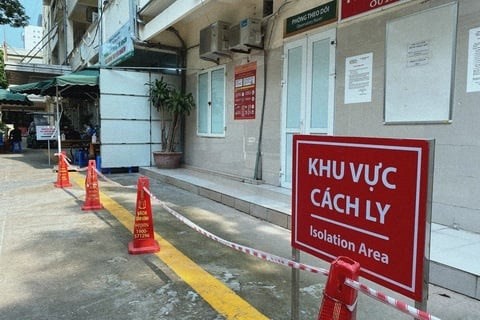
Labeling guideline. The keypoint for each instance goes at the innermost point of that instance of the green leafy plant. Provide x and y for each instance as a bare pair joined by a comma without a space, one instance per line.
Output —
3,75
12,13
172,105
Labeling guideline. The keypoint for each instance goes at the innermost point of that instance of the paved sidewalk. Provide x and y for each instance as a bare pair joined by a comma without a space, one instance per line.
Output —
57,262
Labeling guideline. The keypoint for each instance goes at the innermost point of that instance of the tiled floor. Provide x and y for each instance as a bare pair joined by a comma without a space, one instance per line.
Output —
456,248
454,254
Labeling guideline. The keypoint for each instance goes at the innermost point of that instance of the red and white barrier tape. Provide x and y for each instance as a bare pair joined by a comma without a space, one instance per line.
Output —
256,253
101,175
399,305
68,161
65,158
78,169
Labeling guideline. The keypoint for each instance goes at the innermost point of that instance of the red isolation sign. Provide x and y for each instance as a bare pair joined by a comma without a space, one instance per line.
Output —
352,8
364,198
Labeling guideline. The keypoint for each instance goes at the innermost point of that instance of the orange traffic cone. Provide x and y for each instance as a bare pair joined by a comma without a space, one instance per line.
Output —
143,236
340,301
92,192
63,180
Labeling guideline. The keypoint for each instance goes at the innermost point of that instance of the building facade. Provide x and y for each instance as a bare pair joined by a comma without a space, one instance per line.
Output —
262,71
32,36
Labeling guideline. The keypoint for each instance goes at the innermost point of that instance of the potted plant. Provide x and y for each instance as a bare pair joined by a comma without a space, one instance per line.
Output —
173,105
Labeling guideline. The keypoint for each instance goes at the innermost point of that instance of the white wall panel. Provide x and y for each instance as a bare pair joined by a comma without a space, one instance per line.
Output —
125,131
124,107
124,82
156,132
118,156
128,134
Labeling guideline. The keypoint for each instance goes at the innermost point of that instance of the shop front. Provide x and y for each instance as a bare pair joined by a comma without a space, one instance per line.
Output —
72,101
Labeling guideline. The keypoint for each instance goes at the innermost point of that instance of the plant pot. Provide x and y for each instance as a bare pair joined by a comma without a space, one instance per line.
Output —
167,160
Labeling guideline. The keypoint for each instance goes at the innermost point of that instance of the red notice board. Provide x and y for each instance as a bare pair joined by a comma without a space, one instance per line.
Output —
352,8
245,91
365,198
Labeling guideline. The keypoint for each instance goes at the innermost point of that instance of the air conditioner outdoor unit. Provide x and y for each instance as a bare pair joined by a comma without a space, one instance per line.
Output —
214,41
246,35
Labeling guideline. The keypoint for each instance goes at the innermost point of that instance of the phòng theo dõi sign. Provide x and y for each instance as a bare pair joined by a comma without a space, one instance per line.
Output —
311,18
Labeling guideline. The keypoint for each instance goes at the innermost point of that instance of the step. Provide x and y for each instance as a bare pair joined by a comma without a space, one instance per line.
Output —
262,201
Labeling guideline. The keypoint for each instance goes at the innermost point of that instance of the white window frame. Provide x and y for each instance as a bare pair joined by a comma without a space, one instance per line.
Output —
209,124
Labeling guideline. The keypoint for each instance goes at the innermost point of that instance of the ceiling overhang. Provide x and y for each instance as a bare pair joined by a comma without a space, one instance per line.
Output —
21,73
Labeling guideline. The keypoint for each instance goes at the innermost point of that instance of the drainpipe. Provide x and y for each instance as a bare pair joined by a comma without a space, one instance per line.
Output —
257,175
183,58
183,79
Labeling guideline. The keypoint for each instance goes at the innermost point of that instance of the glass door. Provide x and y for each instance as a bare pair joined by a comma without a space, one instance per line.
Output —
308,92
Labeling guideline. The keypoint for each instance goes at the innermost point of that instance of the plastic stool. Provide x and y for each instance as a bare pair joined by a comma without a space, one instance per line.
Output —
80,158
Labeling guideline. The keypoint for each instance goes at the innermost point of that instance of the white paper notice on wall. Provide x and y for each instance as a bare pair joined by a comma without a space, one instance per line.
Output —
473,77
418,54
358,78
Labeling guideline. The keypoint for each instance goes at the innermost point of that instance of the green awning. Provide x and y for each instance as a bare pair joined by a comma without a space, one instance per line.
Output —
31,88
87,77
10,98
72,84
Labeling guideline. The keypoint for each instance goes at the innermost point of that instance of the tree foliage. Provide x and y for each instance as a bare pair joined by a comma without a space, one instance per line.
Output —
13,13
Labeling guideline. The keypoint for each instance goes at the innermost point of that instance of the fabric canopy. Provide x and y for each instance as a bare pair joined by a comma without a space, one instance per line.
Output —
72,84
87,79
31,88
11,98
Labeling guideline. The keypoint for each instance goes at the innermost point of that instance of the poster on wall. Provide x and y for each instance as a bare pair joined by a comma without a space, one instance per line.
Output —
418,53
245,91
473,78
358,78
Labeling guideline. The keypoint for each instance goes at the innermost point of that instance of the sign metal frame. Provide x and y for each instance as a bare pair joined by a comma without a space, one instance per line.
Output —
340,209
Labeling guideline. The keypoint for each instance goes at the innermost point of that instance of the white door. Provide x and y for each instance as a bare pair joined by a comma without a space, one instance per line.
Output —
308,92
